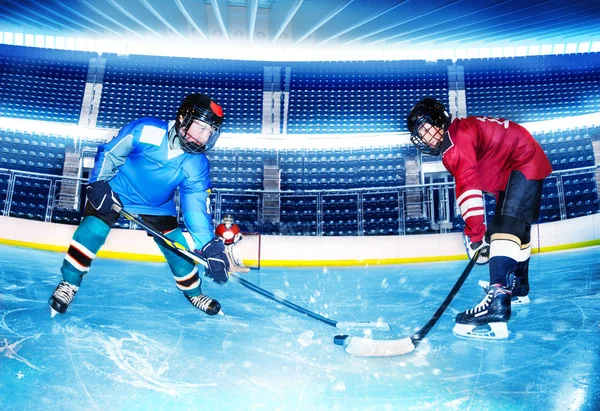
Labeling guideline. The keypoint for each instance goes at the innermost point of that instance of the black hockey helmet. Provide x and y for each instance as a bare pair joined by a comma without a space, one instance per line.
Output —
428,111
198,107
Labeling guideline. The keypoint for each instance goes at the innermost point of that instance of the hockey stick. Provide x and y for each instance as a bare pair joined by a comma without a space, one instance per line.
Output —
378,325
365,347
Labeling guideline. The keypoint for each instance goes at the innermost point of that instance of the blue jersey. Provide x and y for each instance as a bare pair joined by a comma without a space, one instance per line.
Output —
145,172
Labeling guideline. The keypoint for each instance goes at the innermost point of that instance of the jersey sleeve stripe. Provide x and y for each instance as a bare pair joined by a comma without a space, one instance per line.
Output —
473,213
471,205
469,193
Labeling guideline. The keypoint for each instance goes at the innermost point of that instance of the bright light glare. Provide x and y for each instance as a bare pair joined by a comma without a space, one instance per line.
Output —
48,127
266,51
283,141
584,47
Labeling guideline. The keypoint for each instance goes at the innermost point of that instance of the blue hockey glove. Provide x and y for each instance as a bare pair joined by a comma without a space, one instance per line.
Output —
483,245
101,197
218,264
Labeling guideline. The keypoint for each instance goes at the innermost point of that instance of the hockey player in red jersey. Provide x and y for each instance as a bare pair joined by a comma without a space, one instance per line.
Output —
231,235
500,157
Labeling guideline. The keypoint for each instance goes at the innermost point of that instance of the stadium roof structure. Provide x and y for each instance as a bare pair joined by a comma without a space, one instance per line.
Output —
323,25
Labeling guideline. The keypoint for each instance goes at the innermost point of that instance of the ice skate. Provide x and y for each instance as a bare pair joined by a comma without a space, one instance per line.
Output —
61,298
520,290
204,303
488,319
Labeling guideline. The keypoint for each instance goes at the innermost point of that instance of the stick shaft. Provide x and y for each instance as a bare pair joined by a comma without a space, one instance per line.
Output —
282,301
419,335
173,244
366,347
253,287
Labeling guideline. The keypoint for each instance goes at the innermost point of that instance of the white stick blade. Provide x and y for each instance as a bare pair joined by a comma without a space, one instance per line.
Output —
378,325
365,347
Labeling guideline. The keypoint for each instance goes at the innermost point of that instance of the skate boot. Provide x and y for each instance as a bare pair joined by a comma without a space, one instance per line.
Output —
520,290
203,302
62,297
488,319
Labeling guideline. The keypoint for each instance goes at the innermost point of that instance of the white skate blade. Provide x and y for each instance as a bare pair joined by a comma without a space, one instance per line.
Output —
53,313
490,331
520,300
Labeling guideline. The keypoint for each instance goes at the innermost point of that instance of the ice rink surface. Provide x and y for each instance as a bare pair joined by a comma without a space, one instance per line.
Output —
131,341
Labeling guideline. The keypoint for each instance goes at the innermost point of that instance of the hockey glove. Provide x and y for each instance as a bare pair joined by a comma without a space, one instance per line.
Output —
238,237
483,245
101,197
218,264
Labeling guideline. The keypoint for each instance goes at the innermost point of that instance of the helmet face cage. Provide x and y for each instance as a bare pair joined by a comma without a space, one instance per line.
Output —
190,146
432,112
228,220
202,108
419,141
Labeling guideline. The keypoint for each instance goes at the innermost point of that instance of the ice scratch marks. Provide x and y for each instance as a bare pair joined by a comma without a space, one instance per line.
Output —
142,361
11,350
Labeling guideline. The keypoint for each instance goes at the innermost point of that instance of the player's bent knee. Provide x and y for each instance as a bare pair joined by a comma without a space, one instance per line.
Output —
507,225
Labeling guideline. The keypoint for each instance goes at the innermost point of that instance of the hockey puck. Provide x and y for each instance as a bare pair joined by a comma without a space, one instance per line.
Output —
339,339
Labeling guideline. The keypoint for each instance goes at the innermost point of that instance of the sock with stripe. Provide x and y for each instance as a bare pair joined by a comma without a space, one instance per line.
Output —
183,268
86,242
504,253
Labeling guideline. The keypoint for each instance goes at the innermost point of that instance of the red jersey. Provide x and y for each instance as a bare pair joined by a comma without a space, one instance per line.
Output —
481,152
229,234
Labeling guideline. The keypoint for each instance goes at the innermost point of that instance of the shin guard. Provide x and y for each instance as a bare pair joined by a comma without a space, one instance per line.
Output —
183,268
86,242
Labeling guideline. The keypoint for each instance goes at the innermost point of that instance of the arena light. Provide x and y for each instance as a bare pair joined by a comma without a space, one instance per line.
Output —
584,47
286,52
58,129
558,49
571,48
571,122
284,141
485,52
546,49
521,51
320,141
29,40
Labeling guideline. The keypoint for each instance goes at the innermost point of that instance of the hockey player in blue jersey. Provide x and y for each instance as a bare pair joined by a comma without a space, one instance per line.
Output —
140,170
